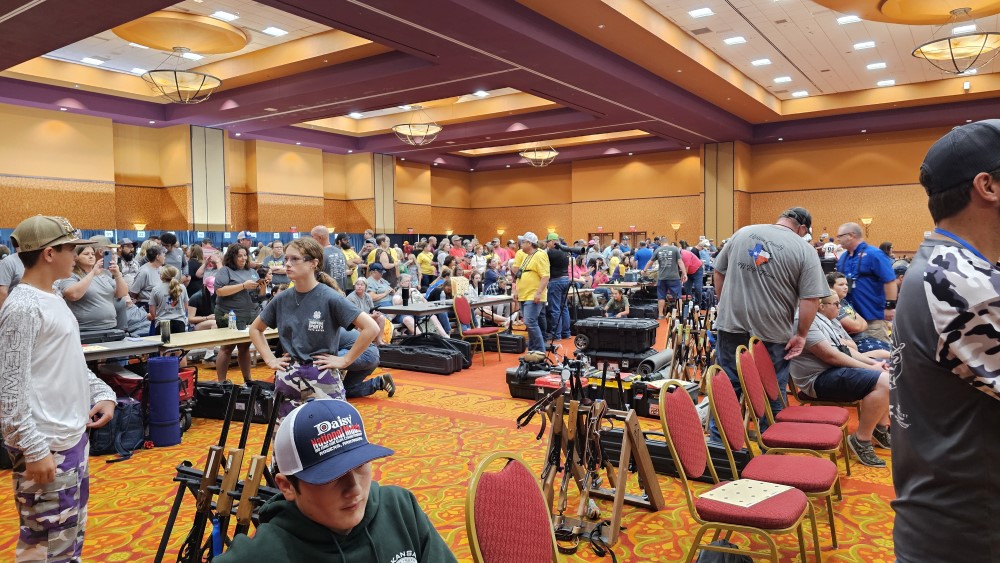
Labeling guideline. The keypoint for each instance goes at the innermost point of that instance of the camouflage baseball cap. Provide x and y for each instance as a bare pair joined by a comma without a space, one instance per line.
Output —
42,231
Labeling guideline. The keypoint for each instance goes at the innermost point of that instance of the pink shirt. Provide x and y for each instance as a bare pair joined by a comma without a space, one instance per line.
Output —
691,262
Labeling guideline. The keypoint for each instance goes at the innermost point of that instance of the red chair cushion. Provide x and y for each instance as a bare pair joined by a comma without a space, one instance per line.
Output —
776,513
802,435
806,473
752,385
836,416
727,406
683,425
481,331
512,522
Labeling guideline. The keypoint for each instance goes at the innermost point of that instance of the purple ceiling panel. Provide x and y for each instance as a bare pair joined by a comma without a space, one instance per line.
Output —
44,96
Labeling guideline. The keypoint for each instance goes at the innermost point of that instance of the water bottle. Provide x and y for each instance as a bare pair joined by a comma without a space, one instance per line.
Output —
232,320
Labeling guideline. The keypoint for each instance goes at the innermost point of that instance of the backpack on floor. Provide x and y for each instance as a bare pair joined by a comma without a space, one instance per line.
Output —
719,557
123,435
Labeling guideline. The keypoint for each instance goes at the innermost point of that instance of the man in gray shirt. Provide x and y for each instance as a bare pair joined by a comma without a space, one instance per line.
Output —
670,274
831,368
762,277
334,260
174,256
11,270
945,366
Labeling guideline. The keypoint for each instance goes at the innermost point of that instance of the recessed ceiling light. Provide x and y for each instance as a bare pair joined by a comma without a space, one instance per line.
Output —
630,154
844,20
270,109
192,56
968,121
435,164
864,45
402,159
239,134
800,94
701,13
508,166
782,79
406,107
355,115
968,72
781,138
92,61
138,70
350,150
151,122
274,31
864,130
138,46
761,62
298,143
62,109
882,83
735,40
600,26
687,148
472,170
963,29
481,93
225,16
875,66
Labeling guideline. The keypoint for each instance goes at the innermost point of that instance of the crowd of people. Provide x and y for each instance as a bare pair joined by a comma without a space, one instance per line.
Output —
926,383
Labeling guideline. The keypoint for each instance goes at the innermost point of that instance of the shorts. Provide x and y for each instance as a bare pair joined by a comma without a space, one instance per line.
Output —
300,383
668,287
222,319
845,384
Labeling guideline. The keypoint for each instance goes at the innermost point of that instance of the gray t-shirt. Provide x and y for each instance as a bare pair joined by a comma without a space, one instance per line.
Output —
11,270
144,282
335,265
667,259
806,367
363,302
241,302
167,308
309,323
271,262
768,269
96,309
945,386
177,259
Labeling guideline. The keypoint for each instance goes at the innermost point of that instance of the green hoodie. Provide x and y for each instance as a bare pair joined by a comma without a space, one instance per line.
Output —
393,530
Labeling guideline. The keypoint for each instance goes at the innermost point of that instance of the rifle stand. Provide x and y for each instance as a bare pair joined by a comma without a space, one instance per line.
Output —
565,436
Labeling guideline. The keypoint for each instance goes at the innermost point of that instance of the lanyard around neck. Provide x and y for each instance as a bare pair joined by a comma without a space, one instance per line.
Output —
962,242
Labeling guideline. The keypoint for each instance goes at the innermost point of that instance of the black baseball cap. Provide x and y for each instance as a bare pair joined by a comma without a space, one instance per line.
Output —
800,215
955,159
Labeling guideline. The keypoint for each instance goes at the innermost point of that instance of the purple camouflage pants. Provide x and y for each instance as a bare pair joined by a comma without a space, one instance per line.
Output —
300,383
53,516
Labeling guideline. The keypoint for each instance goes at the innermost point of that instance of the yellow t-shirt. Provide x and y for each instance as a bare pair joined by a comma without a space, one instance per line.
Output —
351,255
616,263
532,267
425,260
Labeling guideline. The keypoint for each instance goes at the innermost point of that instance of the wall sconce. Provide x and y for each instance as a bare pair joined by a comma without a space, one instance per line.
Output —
600,229
139,226
552,229
631,228
500,232
676,227
409,230
866,221
449,232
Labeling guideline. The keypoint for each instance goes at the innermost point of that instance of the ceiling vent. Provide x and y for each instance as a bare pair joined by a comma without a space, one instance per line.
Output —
780,21
700,31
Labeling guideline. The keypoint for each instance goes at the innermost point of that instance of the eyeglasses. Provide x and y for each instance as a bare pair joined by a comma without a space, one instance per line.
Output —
837,303
297,259
844,234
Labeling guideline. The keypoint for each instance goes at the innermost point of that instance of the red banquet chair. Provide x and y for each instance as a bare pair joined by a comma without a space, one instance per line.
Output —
506,517
834,415
463,312
812,474
781,514
822,438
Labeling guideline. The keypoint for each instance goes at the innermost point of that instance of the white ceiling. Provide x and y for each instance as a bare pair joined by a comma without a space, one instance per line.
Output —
416,105
253,18
804,41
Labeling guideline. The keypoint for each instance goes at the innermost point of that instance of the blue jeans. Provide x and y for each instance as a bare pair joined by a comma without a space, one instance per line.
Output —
694,284
354,377
726,357
531,312
445,323
557,308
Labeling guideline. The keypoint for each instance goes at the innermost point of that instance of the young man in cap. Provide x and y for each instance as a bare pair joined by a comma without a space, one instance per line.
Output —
531,268
48,397
945,366
329,508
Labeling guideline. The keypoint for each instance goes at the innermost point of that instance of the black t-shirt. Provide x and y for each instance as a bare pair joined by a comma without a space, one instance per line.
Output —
196,283
558,263
203,303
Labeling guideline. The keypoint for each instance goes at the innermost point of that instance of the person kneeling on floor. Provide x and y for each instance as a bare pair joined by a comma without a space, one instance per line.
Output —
329,508
831,369
355,374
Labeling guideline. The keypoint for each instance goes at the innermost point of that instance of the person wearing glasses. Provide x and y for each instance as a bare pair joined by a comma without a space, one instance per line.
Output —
871,283
830,368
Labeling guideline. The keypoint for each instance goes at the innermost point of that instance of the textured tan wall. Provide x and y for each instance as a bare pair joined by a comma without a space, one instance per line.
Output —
517,220
85,204
158,208
653,215
899,212
420,218
453,218
237,211
359,214
741,211
280,212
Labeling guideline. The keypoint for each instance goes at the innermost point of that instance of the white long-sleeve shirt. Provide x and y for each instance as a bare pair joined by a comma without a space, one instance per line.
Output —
46,390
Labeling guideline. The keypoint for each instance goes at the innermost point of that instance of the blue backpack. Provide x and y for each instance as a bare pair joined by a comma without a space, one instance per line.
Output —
123,435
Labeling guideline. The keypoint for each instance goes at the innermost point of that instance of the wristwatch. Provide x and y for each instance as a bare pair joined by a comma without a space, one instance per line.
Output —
890,304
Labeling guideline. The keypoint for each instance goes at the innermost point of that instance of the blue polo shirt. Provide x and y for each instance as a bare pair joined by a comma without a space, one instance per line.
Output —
869,269
642,256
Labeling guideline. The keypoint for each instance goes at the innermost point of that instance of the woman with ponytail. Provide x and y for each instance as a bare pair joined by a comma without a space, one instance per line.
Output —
309,317
168,302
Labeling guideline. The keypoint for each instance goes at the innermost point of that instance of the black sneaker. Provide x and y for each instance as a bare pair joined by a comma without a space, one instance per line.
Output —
388,385
864,452
881,438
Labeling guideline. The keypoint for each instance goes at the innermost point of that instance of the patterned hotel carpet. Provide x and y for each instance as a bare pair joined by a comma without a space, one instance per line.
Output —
440,427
